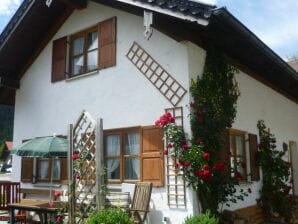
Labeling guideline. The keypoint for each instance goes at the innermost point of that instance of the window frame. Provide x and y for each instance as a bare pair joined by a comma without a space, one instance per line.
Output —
122,156
51,161
84,33
233,133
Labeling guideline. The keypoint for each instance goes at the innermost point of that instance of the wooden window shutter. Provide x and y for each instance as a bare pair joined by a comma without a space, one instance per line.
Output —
59,59
152,159
64,176
107,43
225,153
253,148
27,170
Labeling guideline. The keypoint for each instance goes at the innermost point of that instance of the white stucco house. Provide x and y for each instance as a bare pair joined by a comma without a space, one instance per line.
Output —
127,61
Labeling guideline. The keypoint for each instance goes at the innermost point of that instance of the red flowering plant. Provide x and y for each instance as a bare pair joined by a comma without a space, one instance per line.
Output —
212,111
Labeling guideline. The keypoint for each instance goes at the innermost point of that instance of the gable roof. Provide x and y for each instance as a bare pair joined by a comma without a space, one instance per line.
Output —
34,24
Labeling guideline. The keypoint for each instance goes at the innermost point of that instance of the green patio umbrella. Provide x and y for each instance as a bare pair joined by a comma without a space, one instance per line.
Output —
43,147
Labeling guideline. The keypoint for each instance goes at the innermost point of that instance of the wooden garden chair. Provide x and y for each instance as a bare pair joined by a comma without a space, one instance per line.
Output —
10,193
140,202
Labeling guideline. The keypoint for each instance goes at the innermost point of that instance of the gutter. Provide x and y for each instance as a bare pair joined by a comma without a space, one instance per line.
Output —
262,46
203,22
15,21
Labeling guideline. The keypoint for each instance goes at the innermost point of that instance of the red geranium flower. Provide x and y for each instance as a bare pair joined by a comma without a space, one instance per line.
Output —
51,204
185,146
249,190
206,155
165,152
59,219
75,156
192,104
238,175
206,167
187,163
57,194
219,166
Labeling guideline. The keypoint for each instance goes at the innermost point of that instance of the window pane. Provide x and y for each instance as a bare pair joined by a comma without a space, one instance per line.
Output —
132,144
113,145
113,169
92,60
56,169
132,168
92,41
43,169
78,46
77,65
239,146
241,166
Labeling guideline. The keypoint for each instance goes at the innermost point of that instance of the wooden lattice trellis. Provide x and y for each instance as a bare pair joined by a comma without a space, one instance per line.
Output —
156,74
176,189
85,162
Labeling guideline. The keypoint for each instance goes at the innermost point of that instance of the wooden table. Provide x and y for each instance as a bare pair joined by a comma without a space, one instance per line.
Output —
40,206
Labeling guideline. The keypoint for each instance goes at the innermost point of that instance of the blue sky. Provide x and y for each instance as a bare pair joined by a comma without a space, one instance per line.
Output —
275,22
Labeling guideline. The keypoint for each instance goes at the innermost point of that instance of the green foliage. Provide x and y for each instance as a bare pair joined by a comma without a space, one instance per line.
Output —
213,110
204,218
110,216
276,174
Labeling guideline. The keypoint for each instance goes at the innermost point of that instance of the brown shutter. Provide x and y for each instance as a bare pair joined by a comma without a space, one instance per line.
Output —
253,148
152,159
27,170
107,43
64,177
59,59
225,150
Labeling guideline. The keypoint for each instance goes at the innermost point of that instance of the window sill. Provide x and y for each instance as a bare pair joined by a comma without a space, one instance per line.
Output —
46,185
81,75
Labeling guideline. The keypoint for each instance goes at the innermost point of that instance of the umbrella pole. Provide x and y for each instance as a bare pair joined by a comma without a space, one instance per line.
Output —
52,174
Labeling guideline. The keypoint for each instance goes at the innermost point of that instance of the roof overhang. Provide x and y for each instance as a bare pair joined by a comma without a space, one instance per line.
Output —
34,24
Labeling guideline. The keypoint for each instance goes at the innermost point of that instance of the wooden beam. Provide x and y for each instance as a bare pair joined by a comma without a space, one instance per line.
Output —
9,83
77,4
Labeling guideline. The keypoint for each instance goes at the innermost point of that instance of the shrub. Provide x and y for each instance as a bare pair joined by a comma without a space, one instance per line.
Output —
110,216
204,218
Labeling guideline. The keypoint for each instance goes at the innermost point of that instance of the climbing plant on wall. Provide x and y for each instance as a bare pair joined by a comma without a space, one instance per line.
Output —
205,159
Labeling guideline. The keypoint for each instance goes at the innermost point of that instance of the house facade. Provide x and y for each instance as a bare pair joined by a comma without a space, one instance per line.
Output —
96,58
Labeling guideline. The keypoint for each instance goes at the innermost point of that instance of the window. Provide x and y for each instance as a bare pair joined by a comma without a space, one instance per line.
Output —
134,154
42,169
47,168
238,152
122,150
242,148
89,50
84,52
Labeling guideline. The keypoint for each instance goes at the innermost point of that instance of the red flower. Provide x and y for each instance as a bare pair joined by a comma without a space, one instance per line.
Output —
206,167
228,157
165,152
176,165
187,163
59,219
57,194
170,145
206,155
185,147
238,175
51,204
200,119
192,104
75,156
249,190
219,166
198,141
181,162
205,175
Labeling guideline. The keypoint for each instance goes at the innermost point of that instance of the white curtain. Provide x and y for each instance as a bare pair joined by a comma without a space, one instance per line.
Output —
132,147
43,169
56,169
113,149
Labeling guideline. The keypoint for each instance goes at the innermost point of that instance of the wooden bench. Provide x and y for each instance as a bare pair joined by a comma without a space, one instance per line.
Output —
249,215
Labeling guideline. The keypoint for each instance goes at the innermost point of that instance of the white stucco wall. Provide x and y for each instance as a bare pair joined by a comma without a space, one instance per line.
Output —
120,95
123,97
